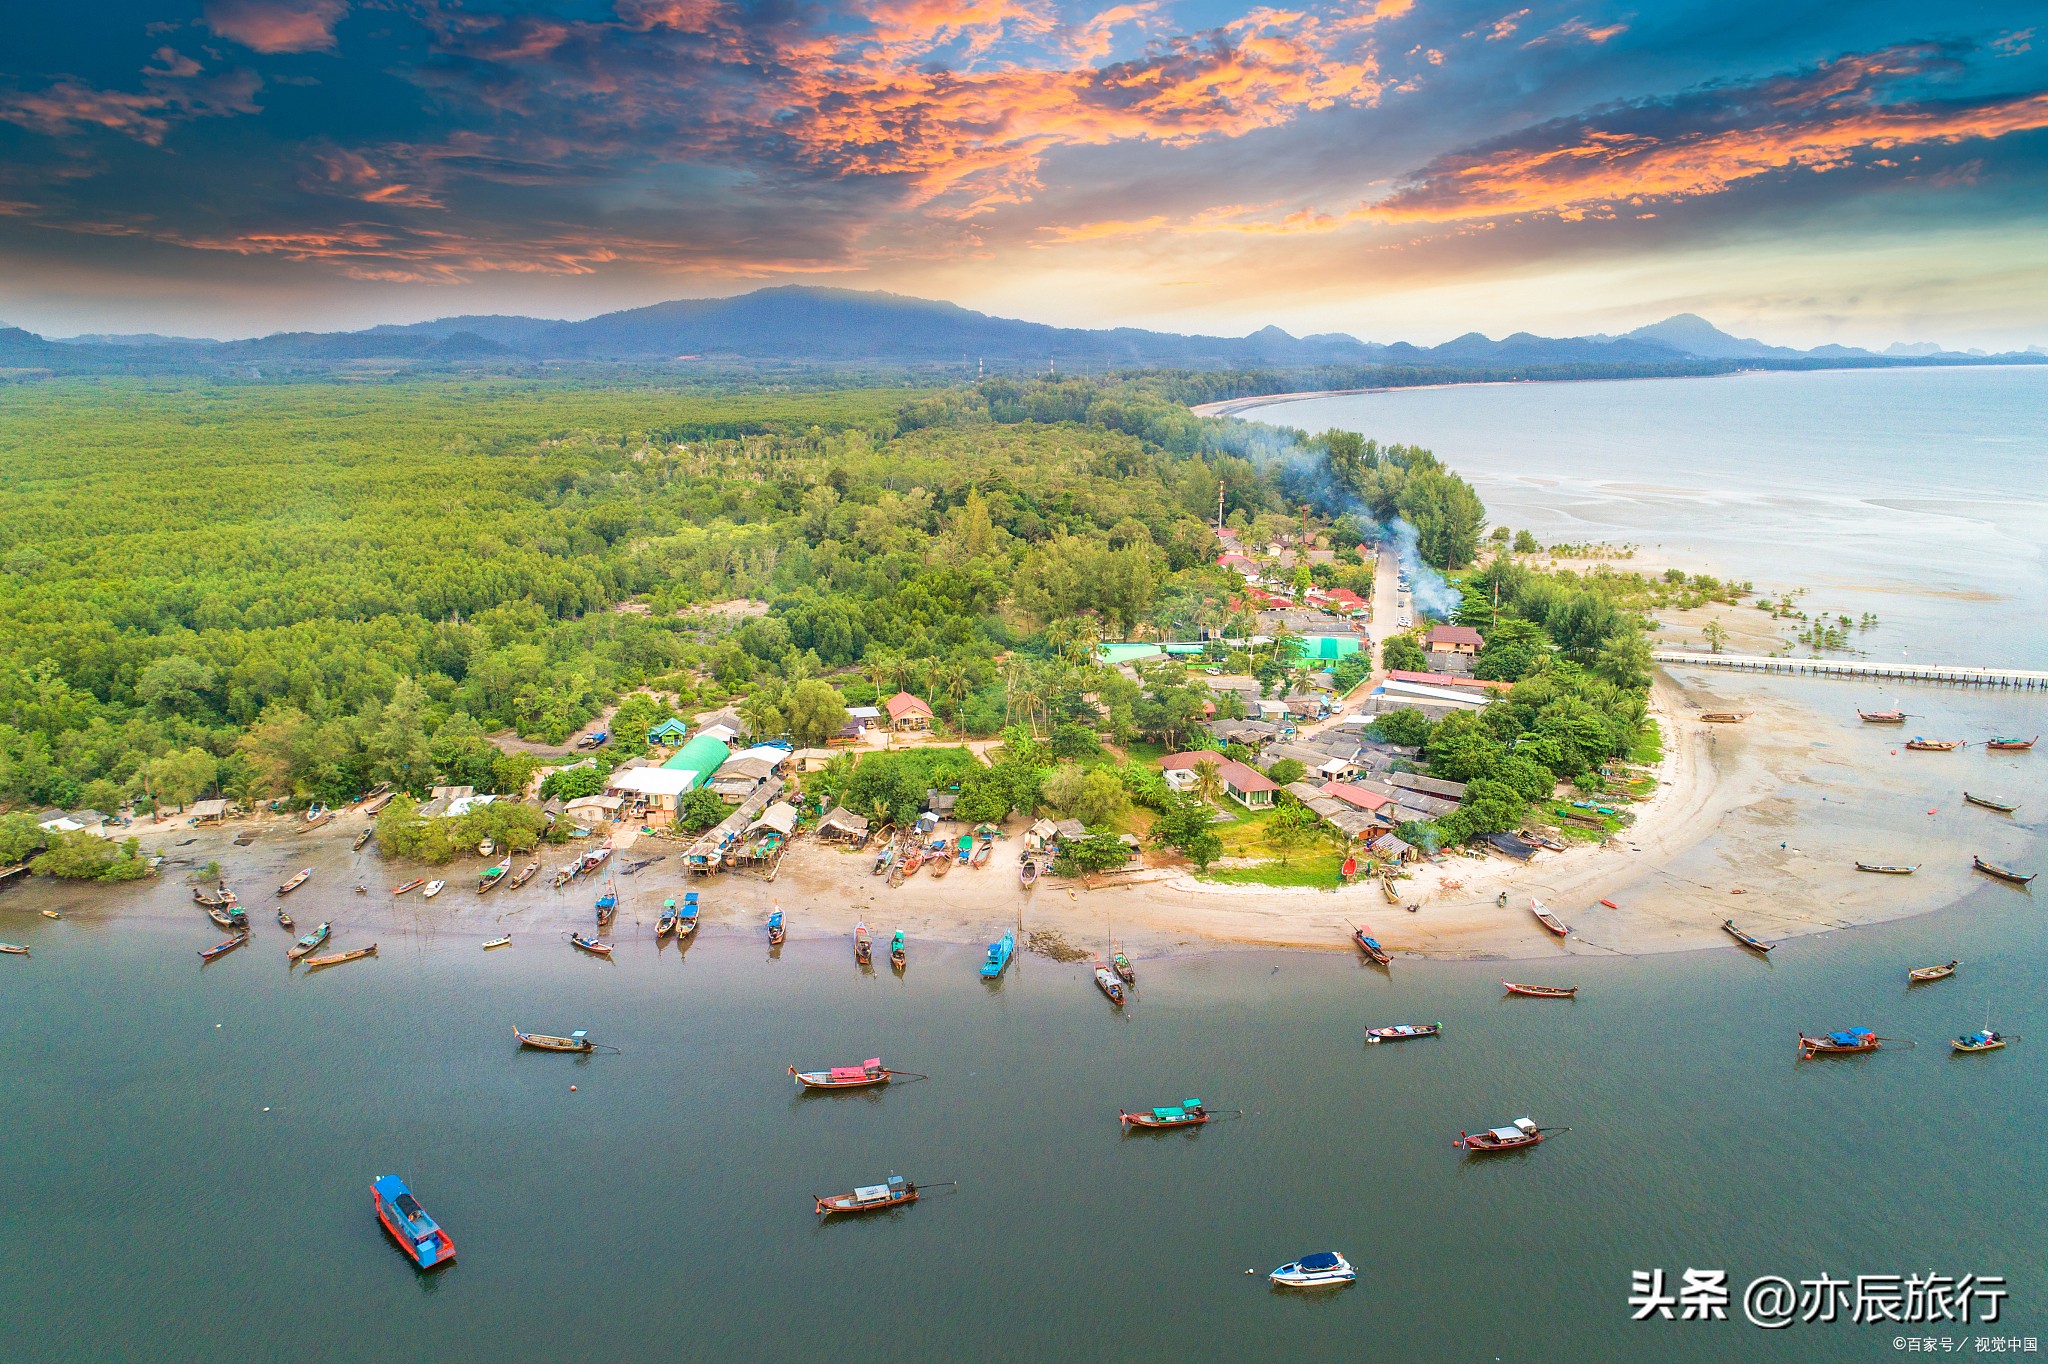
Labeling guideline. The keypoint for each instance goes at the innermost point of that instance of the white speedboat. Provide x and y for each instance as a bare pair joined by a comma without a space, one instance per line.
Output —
1324,1269
433,888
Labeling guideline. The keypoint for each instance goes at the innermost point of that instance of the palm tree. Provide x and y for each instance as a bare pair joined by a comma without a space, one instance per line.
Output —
1209,780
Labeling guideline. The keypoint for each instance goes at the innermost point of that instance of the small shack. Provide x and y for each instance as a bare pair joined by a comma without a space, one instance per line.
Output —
841,825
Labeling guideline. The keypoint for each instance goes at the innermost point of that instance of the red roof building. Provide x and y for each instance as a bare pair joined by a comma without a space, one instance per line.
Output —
1369,801
1455,639
907,712
1246,785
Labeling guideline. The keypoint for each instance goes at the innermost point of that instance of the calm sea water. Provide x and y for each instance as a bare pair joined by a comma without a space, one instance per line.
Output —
1920,494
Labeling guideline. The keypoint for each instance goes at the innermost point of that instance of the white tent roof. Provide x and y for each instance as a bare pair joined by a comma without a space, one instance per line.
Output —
653,781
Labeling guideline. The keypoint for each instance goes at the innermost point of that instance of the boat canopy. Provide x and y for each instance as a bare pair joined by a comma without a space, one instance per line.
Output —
1849,1039
1322,1259
871,1193
1508,1134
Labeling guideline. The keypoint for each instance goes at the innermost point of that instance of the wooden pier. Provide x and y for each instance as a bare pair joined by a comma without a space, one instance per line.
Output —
1952,674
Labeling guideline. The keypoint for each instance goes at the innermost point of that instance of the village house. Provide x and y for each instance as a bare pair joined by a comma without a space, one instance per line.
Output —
1457,640
649,794
908,714
670,733
1247,786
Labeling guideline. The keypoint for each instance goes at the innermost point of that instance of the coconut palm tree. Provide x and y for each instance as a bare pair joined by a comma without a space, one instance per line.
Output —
1209,780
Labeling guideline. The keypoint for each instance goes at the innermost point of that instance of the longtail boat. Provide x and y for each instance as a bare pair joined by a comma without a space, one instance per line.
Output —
337,958
596,856
224,899
885,859
1919,745
1523,1132
1387,889
776,931
2018,878
564,875
666,924
1987,1040
317,816
540,1041
1371,946
361,839
1541,991
981,854
1189,1114
1888,869
505,941
298,879
998,959
1883,717
1109,985
1401,1032
1324,1269
308,943
233,918
1723,717
422,1238
1839,1043
590,945
13,949
492,875
941,863
686,921
1546,918
897,957
284,920
221,949
524,874
865,1075
869,1198
1027,873
1749,940
1921,975
1121,964
964,849
607,909
2002,806
2002,745
863,949
413,884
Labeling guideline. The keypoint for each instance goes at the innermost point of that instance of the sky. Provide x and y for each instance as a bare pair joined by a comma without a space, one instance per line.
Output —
1805,171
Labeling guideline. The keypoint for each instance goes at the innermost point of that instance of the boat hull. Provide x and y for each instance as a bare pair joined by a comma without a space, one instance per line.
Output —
1541,991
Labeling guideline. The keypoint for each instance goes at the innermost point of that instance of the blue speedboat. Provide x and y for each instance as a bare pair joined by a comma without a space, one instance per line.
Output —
417,1234
999,957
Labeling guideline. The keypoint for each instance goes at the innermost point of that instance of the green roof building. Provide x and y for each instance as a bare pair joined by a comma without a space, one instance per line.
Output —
700,758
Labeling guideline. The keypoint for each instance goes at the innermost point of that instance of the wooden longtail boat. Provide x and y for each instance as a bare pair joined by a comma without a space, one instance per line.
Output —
224,899
524,874
308,943
1387,889
1541,991
2003,807
2003,873
1402,1032
941,863
981,854
1919,745
232,919
1027,873
540,1041
867,1074
2010,745
1121,964
337,958
1986,1040
686,921
885,859
590,945
413,884
51,914
1748,940
1109,985
666,924
863,950
13,949
361,839
897,957
1523,1132
776,931
1370,946
317,816
869,1198
564,875
1839,1043
1921,975
607,910
505,941
284,920
1887,869
1189,1114
492,875
1723,717
1546,918
223,948
1883,717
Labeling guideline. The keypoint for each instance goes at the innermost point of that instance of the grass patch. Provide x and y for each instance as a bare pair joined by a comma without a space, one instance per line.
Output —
1319,869
1648,748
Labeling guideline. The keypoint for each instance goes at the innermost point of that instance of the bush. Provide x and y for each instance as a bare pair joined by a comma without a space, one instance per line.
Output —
20,838
1401,653
1287,770
1097,852
1408,728
701,809
80,856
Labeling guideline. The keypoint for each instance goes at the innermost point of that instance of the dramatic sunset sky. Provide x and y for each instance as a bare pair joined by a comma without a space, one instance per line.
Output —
1803,170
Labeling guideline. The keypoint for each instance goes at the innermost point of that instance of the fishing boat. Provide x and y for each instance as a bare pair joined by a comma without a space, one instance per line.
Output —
1189,1114
1986,1040
1523,1132
564,875
1919,745
2003,807
308,943
2018,878
1388,889
298,879
505,941
1121,964
1371,946
524,874
686,921
964,849
540,1041
983,851
1109,985
912,859
942,862
666,924
1921,975
1882,717
2002,745
885,859
1546,918
863,950
607,908
317,816
590,945
1839,1043
1887,869
337,958
422,1238
596,856
893,1193
1401,1032
233,918
413,884
863,1076
284,920
223,899
433,888
897,957
1749,940
998,959
1541,991
361,839
1723,717
1027,873
221,949
51,914
776,931
1324,1269
13,949
492,875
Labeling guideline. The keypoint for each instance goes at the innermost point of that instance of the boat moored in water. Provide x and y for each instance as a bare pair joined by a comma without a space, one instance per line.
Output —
868,1073
540,1041
2004,745
2003,873
1121,964
998,959
666,924
590,945
1109,985
1882,717
1922,974
686,921
1920,745
505,941
223,948
1401,1032
298,879
1370,946
1541,991
1522,1132
14,949
893,1193
423,1239
308,943
898,958
1986,1040
1324,1269
1749,940
1849,1042
337,958
284,920
776,930
863,949
1189,1114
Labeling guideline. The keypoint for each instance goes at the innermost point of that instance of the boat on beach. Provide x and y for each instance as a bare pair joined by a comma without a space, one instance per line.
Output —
1370,945
2003,873
1027,873
941,863
1888,869
433,888
1189,1114
540,1041
221,949
1324,1269
1522,1132
308,943
1109,985
998,959
686,920
492,875
505,941
1723,717
666,924
524,874
298,879
1920,745
2003,745
776,931
361,839
983,850
1922,974
893,1193
1844,1043
1749,940
423,1239
1388,889
590,945
1882,717
337,958
1541,991
885,859
411,885
867,1074
1546,918
897,957
2003,807
1401,1032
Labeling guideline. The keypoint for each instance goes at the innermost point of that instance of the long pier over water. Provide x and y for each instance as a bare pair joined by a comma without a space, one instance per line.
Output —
1955,674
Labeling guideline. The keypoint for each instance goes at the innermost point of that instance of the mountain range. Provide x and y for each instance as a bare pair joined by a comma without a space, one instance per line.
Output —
802,325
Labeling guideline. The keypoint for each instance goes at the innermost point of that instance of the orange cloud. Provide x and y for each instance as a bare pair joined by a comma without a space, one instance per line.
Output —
277,25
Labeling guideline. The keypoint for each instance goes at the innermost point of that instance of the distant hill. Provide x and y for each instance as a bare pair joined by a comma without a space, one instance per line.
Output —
801,325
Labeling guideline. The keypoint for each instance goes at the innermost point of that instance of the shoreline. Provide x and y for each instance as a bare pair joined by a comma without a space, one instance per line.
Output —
1237,407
